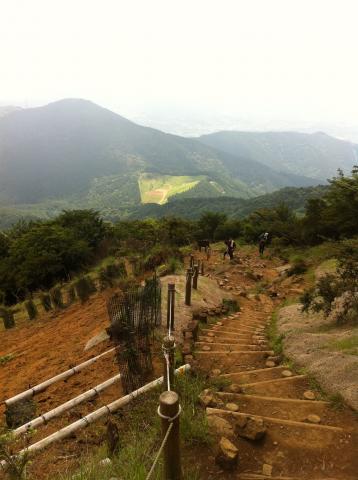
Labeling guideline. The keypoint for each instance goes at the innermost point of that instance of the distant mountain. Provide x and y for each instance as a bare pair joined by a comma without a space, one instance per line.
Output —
6,109
314,155
81,154
295,198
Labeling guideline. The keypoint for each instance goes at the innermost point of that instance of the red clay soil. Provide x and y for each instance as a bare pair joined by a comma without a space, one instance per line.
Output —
50,345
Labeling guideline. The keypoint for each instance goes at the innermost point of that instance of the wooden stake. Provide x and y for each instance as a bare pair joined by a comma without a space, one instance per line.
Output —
189,274
169,409
195,277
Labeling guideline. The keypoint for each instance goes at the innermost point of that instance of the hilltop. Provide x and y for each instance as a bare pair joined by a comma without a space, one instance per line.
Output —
314,155
77,152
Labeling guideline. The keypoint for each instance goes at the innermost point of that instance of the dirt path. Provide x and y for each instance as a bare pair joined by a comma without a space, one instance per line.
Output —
236,350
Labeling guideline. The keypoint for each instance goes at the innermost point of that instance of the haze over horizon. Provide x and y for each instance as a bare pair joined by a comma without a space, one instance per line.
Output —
188,67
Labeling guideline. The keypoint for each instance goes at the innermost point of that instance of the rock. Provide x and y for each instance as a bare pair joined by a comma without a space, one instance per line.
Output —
216,372
309,395
101,337
312,418
228,455
209,340
275,358
232,407
206,348
105,462
206,397
270,364
235,388
211,334
267,470
286,373
220,425
219,323
253,429
186,349
188,335
221,284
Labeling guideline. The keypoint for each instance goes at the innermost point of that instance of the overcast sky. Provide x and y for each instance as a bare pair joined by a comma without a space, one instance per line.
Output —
294,59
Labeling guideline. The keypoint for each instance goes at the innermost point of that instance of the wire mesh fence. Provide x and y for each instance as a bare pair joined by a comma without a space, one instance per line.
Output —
134,314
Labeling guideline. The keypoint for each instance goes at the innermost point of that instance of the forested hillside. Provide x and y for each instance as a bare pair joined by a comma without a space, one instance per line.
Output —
314,155
69,149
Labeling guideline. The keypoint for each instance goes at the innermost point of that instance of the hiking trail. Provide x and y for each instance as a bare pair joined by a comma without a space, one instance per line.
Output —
281,425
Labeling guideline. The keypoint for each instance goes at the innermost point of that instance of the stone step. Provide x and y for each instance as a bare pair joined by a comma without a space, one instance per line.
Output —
291,387
288,409
275,420
228,333
260,374
223,339
228,347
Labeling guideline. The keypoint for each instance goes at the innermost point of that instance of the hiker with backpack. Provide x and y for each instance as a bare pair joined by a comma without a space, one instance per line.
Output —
230,248
263,240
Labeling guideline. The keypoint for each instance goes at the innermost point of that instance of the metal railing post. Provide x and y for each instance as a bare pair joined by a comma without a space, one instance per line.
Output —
169,411
189,274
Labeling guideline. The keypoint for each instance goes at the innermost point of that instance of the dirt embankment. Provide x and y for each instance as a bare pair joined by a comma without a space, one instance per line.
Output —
309,342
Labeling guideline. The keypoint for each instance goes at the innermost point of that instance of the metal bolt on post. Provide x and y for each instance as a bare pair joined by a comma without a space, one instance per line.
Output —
189,274
169,411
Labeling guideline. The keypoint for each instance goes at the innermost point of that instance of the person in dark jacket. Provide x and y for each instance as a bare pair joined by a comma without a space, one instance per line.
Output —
263,239
230,248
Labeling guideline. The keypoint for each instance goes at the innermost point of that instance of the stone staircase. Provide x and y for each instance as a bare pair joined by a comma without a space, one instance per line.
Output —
279,427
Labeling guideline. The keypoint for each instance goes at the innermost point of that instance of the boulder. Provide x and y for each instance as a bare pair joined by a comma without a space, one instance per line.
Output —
251,428
286,373
270,364
220,426
228,455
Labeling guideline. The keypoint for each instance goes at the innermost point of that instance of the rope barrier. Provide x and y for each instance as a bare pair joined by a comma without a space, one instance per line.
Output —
159,452
171,424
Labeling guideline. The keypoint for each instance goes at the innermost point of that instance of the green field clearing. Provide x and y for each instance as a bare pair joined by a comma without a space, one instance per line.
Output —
158,188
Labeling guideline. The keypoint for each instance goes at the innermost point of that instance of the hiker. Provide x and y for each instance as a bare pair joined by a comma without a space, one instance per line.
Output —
230,247
263,239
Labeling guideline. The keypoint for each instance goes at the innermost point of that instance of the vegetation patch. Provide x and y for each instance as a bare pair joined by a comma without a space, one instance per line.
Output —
345,345
158,188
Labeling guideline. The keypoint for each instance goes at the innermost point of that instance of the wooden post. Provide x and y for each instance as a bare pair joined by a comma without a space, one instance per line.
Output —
189,274
208,253
195,277
191,261
169,407
170,306
202,267
168,350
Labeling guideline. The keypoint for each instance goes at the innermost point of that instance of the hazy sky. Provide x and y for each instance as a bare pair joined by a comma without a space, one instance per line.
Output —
262,58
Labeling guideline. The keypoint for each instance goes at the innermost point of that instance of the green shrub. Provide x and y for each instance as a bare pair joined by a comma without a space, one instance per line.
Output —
174,265
56,297
31,309
298,267
45,300
8,317
84,288
71,295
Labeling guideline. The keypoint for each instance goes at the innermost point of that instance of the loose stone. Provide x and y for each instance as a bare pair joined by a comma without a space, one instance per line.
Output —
309,395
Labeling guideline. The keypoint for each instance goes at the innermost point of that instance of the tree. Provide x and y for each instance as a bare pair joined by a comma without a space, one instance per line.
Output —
209,222
46,254
86,225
